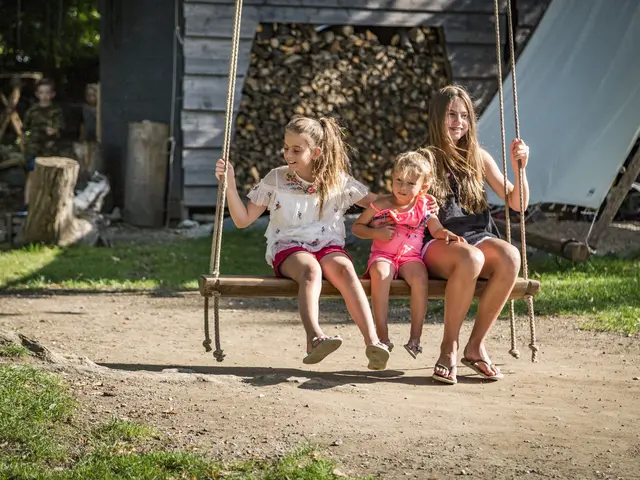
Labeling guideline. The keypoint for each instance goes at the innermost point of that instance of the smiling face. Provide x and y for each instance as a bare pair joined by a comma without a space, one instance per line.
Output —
45,94
457,119
299,154
407,186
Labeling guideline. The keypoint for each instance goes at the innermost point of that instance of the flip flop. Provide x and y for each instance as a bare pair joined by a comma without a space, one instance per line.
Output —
321,347
389,344
444,378
378,355
473,365
414,349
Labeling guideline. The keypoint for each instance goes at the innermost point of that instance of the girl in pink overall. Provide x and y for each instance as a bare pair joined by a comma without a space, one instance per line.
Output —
397,244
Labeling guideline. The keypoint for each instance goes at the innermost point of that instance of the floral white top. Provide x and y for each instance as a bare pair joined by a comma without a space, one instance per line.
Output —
294,219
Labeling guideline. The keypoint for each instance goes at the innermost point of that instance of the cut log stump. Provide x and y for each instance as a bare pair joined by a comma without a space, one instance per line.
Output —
50,220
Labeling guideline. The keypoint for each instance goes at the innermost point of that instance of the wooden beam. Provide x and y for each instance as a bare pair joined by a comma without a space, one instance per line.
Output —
568,248
615,198
238,286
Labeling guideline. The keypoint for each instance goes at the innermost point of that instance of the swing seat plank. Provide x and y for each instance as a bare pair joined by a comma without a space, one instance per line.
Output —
239,286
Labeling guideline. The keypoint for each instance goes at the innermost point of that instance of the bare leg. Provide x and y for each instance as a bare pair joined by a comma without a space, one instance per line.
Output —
415,274
339,270
460,264
501,267
305,270
381,273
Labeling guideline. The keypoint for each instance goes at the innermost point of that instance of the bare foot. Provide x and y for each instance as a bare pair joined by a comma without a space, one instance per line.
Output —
478,360
445,369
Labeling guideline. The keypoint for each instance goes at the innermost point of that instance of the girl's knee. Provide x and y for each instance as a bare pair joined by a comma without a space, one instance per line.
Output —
511,259
417,278
470,259
310,273
381,271
346,270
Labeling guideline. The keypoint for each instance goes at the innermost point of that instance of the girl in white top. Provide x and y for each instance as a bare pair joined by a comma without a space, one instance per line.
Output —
307,200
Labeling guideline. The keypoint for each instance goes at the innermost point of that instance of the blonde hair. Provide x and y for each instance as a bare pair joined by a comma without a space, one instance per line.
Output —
333,164
463,160
418,163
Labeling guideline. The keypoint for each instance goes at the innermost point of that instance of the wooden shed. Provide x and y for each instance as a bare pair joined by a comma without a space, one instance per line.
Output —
139,70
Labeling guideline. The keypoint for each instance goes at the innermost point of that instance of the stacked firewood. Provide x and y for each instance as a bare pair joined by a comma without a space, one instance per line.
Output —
377,86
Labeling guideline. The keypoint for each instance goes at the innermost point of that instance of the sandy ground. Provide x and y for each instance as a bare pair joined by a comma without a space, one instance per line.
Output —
572,415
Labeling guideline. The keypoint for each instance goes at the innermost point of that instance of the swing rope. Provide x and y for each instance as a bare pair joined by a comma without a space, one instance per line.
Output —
525,266
216,242
512,316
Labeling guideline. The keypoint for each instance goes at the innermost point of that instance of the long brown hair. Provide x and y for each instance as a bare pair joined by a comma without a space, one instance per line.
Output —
464,160
329,168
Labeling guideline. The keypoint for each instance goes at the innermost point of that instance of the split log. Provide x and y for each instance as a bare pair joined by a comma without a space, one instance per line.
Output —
378,83
571,249
51,220
145,181
92,197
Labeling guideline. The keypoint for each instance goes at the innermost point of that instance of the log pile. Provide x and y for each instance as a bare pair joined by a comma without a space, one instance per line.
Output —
379,88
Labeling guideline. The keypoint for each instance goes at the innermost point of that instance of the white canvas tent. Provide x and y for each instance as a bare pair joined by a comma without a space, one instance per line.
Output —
578,100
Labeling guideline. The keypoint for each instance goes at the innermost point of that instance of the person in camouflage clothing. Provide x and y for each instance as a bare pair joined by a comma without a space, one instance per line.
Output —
42,125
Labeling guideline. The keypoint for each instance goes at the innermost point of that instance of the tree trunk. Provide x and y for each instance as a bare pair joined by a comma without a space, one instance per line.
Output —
51,220
145,182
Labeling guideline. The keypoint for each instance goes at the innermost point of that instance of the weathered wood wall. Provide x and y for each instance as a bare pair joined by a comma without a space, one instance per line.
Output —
467,25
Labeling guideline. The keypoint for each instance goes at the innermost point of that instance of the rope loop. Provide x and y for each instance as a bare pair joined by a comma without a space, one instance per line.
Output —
207,337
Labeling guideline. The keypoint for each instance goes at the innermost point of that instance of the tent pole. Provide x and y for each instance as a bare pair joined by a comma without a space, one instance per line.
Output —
615,198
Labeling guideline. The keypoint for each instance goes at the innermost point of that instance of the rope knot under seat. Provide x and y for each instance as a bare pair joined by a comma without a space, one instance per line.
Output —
515,353
219,355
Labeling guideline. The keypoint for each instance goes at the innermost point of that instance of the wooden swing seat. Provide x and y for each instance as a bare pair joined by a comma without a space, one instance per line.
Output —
238,286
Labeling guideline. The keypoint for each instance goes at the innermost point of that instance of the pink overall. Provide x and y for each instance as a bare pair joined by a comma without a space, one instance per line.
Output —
406,244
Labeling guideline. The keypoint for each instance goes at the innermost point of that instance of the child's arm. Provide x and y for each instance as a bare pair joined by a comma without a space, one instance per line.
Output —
496,179
361,228
242,215
438,232
367,200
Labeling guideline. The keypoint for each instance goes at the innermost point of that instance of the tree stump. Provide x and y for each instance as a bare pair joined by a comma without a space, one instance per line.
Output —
51,220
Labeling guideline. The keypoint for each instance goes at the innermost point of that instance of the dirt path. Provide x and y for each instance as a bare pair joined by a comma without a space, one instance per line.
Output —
573,415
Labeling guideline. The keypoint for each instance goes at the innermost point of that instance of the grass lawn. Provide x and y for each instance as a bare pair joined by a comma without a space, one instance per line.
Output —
605,291
41,439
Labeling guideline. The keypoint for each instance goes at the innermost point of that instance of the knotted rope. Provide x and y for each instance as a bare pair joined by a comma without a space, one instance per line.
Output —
216,244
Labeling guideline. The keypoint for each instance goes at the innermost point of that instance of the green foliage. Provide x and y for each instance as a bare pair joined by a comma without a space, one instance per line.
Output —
131,266
43,30
35,410
13,351
118,430
31,402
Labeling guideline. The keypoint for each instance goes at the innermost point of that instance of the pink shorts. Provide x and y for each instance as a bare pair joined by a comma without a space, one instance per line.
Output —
319,255
396,261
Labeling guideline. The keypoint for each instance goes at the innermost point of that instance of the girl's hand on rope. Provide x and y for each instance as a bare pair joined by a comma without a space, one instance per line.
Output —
231,174
519,151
